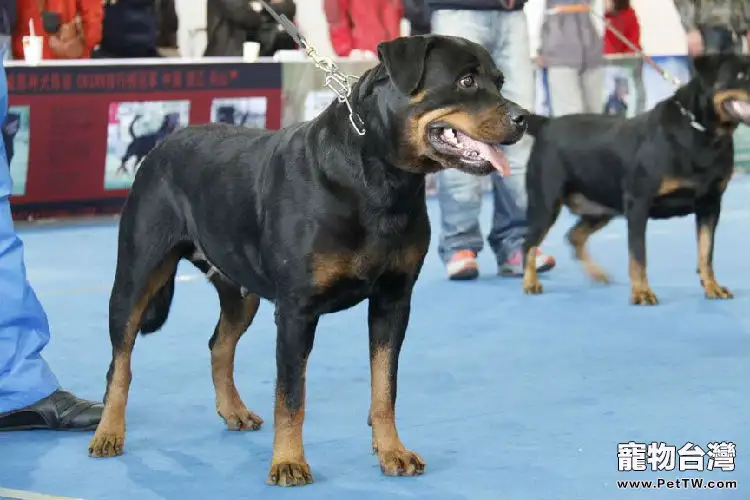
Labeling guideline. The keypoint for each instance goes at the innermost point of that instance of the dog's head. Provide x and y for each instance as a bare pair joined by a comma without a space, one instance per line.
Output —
449,105
727,78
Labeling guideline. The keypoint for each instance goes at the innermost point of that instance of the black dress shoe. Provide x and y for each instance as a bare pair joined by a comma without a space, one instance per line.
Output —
60,411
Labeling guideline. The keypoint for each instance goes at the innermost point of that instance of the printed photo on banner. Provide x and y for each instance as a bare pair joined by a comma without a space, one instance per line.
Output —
620,96
134,129
245,111
16,143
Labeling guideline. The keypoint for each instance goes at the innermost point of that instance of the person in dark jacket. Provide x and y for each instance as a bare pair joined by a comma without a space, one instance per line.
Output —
231,23
417,12
7,22
129,30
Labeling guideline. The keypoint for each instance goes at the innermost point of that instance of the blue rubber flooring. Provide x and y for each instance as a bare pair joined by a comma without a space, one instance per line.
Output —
506,396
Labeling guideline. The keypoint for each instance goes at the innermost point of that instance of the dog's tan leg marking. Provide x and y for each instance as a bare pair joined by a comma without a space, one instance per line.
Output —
395,459
235,318
578,236
109,438
288,465
705,265
641,293
531,283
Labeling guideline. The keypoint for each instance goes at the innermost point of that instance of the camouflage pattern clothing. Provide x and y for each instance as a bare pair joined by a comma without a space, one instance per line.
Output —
733,15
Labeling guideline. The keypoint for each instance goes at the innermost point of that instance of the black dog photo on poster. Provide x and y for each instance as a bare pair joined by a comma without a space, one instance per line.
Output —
244,111
15,130
134,129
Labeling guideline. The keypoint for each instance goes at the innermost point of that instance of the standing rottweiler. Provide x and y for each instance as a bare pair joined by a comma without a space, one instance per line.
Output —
673,161
313,218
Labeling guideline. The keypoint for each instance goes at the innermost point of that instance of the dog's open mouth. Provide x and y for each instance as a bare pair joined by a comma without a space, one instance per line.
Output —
738,109
471,152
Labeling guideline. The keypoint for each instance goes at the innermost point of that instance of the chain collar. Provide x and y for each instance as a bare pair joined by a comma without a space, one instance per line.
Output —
693,120
336,80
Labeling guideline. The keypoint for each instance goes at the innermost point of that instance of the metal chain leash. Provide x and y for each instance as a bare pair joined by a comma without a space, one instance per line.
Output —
335,79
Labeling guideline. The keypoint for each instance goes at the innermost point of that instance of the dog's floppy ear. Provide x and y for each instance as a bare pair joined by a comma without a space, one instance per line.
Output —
404,59
707,67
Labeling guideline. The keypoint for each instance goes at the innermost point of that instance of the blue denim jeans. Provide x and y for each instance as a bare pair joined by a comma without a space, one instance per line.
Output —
505,35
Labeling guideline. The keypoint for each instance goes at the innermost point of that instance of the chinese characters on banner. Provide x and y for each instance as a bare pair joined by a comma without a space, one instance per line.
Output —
655,456
57,80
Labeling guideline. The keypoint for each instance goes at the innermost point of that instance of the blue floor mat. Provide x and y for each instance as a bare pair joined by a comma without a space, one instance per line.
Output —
506,396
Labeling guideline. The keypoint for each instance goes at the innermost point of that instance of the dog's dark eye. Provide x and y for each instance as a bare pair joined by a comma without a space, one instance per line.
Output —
467,82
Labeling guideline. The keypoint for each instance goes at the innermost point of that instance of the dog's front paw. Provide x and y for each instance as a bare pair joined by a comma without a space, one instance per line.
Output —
401,463
106,444
290,473
643,297
716,291
532,287
238,417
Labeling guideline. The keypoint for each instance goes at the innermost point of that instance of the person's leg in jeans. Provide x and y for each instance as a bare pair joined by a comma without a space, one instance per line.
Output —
565,92
460,194
512,55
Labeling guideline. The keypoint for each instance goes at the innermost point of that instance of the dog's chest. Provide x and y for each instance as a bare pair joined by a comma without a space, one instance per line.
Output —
367,263
678,195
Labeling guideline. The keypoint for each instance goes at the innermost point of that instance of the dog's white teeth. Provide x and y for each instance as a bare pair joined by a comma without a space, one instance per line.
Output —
450,136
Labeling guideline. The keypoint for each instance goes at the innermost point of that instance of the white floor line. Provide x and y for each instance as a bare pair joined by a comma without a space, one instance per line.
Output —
30,495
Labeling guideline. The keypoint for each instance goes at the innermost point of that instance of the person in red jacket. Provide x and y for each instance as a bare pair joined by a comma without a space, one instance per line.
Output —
72,39
362,24
623,18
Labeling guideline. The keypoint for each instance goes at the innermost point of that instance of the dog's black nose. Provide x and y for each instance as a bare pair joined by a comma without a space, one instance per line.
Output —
518,116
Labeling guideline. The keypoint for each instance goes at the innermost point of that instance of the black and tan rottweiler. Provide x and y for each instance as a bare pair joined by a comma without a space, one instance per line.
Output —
313,218
673,161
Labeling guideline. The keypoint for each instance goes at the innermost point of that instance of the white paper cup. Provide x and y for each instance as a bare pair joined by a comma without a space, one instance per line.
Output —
250,51
32,49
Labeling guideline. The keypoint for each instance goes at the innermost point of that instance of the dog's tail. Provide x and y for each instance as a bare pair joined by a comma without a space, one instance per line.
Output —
535,124
131,128
157,310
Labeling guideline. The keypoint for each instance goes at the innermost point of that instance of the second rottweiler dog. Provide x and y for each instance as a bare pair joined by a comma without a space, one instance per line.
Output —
673,161
313,218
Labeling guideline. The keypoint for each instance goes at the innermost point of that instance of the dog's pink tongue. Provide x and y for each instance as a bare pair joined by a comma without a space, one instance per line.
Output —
741,109
492,154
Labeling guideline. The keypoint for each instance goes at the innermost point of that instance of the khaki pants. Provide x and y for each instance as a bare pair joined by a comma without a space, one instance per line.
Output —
574,91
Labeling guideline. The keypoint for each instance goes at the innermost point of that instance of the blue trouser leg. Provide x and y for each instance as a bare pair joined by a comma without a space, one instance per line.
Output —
508,221
25,377
511,53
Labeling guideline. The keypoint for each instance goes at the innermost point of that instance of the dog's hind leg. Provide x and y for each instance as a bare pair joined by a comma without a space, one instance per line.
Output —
579,235
137,282
237,313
